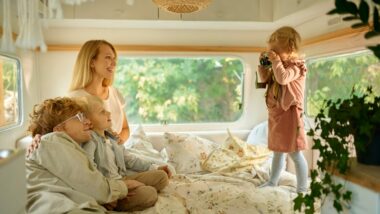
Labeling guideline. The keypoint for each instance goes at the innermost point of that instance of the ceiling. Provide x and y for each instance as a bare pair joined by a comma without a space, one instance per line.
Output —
218,10
223,22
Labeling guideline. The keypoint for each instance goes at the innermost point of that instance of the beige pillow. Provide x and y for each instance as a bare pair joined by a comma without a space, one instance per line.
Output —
235,155
187,152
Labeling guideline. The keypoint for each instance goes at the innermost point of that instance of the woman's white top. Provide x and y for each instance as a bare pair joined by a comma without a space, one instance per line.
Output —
114,103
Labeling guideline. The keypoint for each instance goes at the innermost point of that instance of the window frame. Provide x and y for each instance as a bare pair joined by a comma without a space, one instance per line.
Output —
20,104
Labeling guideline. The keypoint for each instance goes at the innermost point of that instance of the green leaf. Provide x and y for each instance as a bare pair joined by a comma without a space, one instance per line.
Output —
347,196
371,34
376,1
359,25
332,12
350,7
364,11
344,7
350,18
298,201
375,50
338,206
376,24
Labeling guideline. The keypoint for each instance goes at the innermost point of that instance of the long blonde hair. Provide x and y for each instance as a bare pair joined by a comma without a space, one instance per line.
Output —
83,73
288,38
88,102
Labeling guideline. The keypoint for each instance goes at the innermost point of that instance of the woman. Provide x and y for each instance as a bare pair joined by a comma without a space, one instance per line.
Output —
93,75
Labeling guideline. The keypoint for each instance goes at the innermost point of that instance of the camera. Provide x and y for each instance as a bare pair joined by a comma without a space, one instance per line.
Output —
264,61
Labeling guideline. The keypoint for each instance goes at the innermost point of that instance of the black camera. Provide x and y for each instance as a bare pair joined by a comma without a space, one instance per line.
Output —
264,61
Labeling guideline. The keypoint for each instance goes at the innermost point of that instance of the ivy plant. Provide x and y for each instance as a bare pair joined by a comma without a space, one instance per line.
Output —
360,14
339,124
338,121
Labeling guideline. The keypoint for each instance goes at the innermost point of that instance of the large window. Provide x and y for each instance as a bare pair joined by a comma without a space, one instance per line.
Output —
181,90
10,95
334,77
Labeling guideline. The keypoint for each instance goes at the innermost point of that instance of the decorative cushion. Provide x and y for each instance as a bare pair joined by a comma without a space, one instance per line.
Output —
259,134
140,145
235,155
187,152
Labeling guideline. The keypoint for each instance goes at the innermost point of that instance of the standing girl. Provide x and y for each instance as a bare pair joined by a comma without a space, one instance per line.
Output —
285,77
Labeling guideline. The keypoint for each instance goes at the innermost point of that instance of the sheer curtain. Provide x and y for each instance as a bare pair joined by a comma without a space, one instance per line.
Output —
7,44
31,15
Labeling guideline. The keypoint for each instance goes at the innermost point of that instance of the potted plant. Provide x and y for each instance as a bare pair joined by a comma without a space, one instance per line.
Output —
338,126
343,123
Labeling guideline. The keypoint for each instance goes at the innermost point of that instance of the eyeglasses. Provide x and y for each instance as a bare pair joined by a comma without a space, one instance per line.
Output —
80,116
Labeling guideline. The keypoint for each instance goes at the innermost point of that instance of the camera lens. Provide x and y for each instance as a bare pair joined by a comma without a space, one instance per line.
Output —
264,61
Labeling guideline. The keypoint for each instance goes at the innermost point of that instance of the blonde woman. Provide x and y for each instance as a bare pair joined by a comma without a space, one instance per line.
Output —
93,75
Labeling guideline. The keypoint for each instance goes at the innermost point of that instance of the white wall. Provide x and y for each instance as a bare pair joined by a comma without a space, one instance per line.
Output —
283,8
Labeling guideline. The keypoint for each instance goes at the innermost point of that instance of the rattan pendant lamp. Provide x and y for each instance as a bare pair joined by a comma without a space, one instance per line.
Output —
182,6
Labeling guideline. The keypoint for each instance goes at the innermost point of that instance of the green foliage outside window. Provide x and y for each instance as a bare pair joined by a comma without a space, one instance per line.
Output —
181,90
10,89
334,77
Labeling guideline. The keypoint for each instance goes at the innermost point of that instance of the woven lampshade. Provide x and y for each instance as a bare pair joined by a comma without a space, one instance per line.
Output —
182,6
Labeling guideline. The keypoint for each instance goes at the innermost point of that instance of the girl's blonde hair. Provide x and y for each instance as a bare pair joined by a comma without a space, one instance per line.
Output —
88,102
83,73
287,37
50,113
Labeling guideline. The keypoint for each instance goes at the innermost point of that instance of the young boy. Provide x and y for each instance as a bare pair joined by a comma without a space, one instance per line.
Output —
60,176
113,160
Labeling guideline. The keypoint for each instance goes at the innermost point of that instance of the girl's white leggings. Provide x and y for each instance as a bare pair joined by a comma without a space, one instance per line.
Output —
278,165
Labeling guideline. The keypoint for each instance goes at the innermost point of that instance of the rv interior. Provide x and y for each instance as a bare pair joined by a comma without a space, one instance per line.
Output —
229,34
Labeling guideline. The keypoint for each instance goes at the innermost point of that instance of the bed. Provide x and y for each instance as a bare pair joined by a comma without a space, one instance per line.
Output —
213,175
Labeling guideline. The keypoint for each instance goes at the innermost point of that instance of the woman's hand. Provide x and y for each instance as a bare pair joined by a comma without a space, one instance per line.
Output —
34,145
166,169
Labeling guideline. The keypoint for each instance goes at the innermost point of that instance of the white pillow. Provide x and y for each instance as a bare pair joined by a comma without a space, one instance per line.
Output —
139,144
259,134
187,152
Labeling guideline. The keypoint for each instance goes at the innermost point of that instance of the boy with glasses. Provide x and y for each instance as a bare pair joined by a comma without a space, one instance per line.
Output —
60,176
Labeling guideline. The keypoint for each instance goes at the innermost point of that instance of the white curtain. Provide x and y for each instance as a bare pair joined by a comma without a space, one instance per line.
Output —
75,2
30,18
30,35
7,44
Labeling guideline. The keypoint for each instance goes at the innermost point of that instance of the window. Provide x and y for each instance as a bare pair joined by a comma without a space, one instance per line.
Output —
181,90
10,96
334,77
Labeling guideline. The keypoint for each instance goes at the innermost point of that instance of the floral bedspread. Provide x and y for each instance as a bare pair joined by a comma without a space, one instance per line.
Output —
220,194
228,183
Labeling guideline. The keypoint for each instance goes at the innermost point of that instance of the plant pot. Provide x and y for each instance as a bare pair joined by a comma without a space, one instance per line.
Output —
371,155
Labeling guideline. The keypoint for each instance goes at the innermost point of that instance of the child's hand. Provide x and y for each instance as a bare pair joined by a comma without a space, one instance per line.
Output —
110,206
133,184
166,169
272,55
262,55
34,145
